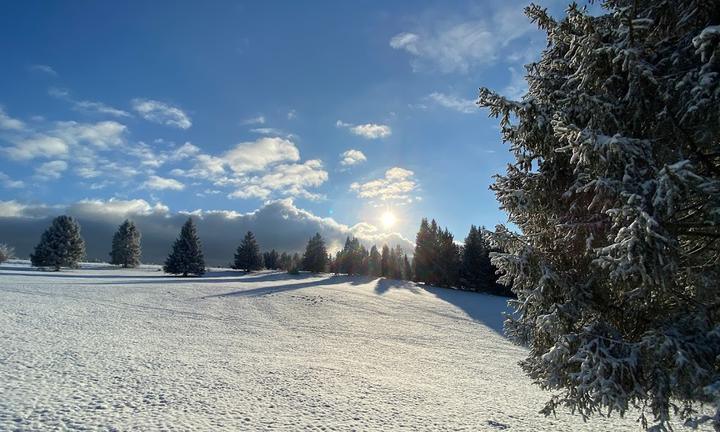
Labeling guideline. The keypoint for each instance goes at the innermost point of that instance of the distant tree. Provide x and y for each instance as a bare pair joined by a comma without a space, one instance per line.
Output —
615,189
477,273
186,256
295,264
247,256
271,260
407,273
61,245
126,245
374,262
425,251
6,252
447,267
285,261
385,262
396,266
353,259
315,258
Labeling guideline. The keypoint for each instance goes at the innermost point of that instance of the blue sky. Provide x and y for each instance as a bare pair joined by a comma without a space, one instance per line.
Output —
349,109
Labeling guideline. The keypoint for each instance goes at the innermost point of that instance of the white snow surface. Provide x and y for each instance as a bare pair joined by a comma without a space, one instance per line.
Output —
101,348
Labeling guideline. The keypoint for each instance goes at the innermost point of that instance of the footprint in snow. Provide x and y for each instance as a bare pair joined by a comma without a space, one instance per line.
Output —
498,425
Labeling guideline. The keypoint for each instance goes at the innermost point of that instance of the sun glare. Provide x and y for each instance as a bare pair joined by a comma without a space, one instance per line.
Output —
388,219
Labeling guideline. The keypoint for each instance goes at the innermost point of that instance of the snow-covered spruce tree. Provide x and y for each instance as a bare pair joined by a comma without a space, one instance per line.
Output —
61,245
186,256
126,245
616,188
315,258
6,252
247,256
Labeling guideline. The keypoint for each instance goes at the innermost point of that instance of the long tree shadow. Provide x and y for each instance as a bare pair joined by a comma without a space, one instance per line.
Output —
484,308
261,291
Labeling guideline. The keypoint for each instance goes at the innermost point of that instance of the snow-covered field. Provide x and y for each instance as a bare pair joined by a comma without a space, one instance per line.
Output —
110,349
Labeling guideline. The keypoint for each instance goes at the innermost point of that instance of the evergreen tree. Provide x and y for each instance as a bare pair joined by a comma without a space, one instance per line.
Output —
247,256
396,260
407,273
285,261
477,273
616,190
186,256
424,252
61,245
385,262
353,259
315,258
374,262
126,245
447,260
271,260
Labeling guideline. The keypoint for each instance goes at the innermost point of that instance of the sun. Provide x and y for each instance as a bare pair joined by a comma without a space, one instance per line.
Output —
388,219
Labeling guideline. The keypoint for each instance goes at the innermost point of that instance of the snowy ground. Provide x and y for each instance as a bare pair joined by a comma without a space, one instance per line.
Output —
102,348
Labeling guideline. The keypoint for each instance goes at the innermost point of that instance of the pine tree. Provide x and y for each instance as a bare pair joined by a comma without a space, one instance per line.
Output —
616,190
126,245
271,260
396,259
247,256
61,245
352,260
315,257
385,261
186,256
425,248
477,273
407,273
374,262
447,264
285,261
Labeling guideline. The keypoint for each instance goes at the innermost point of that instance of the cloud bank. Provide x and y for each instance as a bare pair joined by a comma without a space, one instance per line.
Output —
277,224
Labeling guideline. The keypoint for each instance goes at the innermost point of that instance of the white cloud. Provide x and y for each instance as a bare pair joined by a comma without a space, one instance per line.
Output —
352,157
87,106
102,135
116,209
397,185
465,106
7,182
257,155
9,123
292,114
36,147
251,191
161,183
267,131
43,69
368,130
161,113
254,120
52,170
460,44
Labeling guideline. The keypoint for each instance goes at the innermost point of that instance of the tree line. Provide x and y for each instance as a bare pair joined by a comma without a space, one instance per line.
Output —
437,260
